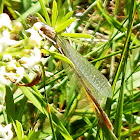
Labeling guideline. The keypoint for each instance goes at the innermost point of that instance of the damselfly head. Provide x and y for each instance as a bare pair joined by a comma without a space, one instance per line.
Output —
46,29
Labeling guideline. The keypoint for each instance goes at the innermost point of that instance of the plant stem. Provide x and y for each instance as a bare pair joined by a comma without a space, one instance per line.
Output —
122,66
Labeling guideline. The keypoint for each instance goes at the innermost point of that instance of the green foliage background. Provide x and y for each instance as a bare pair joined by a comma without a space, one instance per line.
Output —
112,46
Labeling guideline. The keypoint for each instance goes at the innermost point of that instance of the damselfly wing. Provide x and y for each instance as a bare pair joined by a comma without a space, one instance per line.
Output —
95,84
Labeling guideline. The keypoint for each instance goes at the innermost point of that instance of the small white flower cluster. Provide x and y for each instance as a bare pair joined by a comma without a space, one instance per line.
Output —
12,69
6,132
5,26
2,97
5,21
29,62
5,42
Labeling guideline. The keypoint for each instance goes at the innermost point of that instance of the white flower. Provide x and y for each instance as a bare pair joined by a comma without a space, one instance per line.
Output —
38,25
7,57
36,68
5,21
6,132
17,26
2,97
1,107
3,80
29,62
19,72
5,41
35,38
11,65
5,76
45,31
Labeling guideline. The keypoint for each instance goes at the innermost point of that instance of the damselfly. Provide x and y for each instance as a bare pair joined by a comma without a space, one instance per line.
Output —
96,85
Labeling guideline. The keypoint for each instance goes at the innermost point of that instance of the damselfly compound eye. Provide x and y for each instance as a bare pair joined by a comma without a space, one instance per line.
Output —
49,31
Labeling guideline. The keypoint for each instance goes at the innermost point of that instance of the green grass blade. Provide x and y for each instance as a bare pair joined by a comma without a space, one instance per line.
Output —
20,111
77,35
67,16
32,10
122,66
10,106
61,128
131,96
32,135
126,133
26,4
85,14
1,6
19,130
105,133
65,24
105,49
51,121
113,21
110,19
36,100
57,55
128,107
41,105
41,18
112,54
54,13
136,82
46,15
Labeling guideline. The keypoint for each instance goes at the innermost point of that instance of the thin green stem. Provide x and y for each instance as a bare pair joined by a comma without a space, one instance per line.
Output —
131,97
51,121
84,15
128,77
48,107
1,6
46,15
122,67
112,54
126,133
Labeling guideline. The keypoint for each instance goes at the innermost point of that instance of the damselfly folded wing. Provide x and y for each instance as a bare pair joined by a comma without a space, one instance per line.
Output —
97,83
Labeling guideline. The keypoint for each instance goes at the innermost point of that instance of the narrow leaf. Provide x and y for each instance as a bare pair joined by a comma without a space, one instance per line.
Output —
54,13
110,19
41,18
32,10
65,24
1,6
32,135
79,35
36,100
58,56
19,132
26,4
41,105
61,128
122,68
10,103
67,16
46,15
